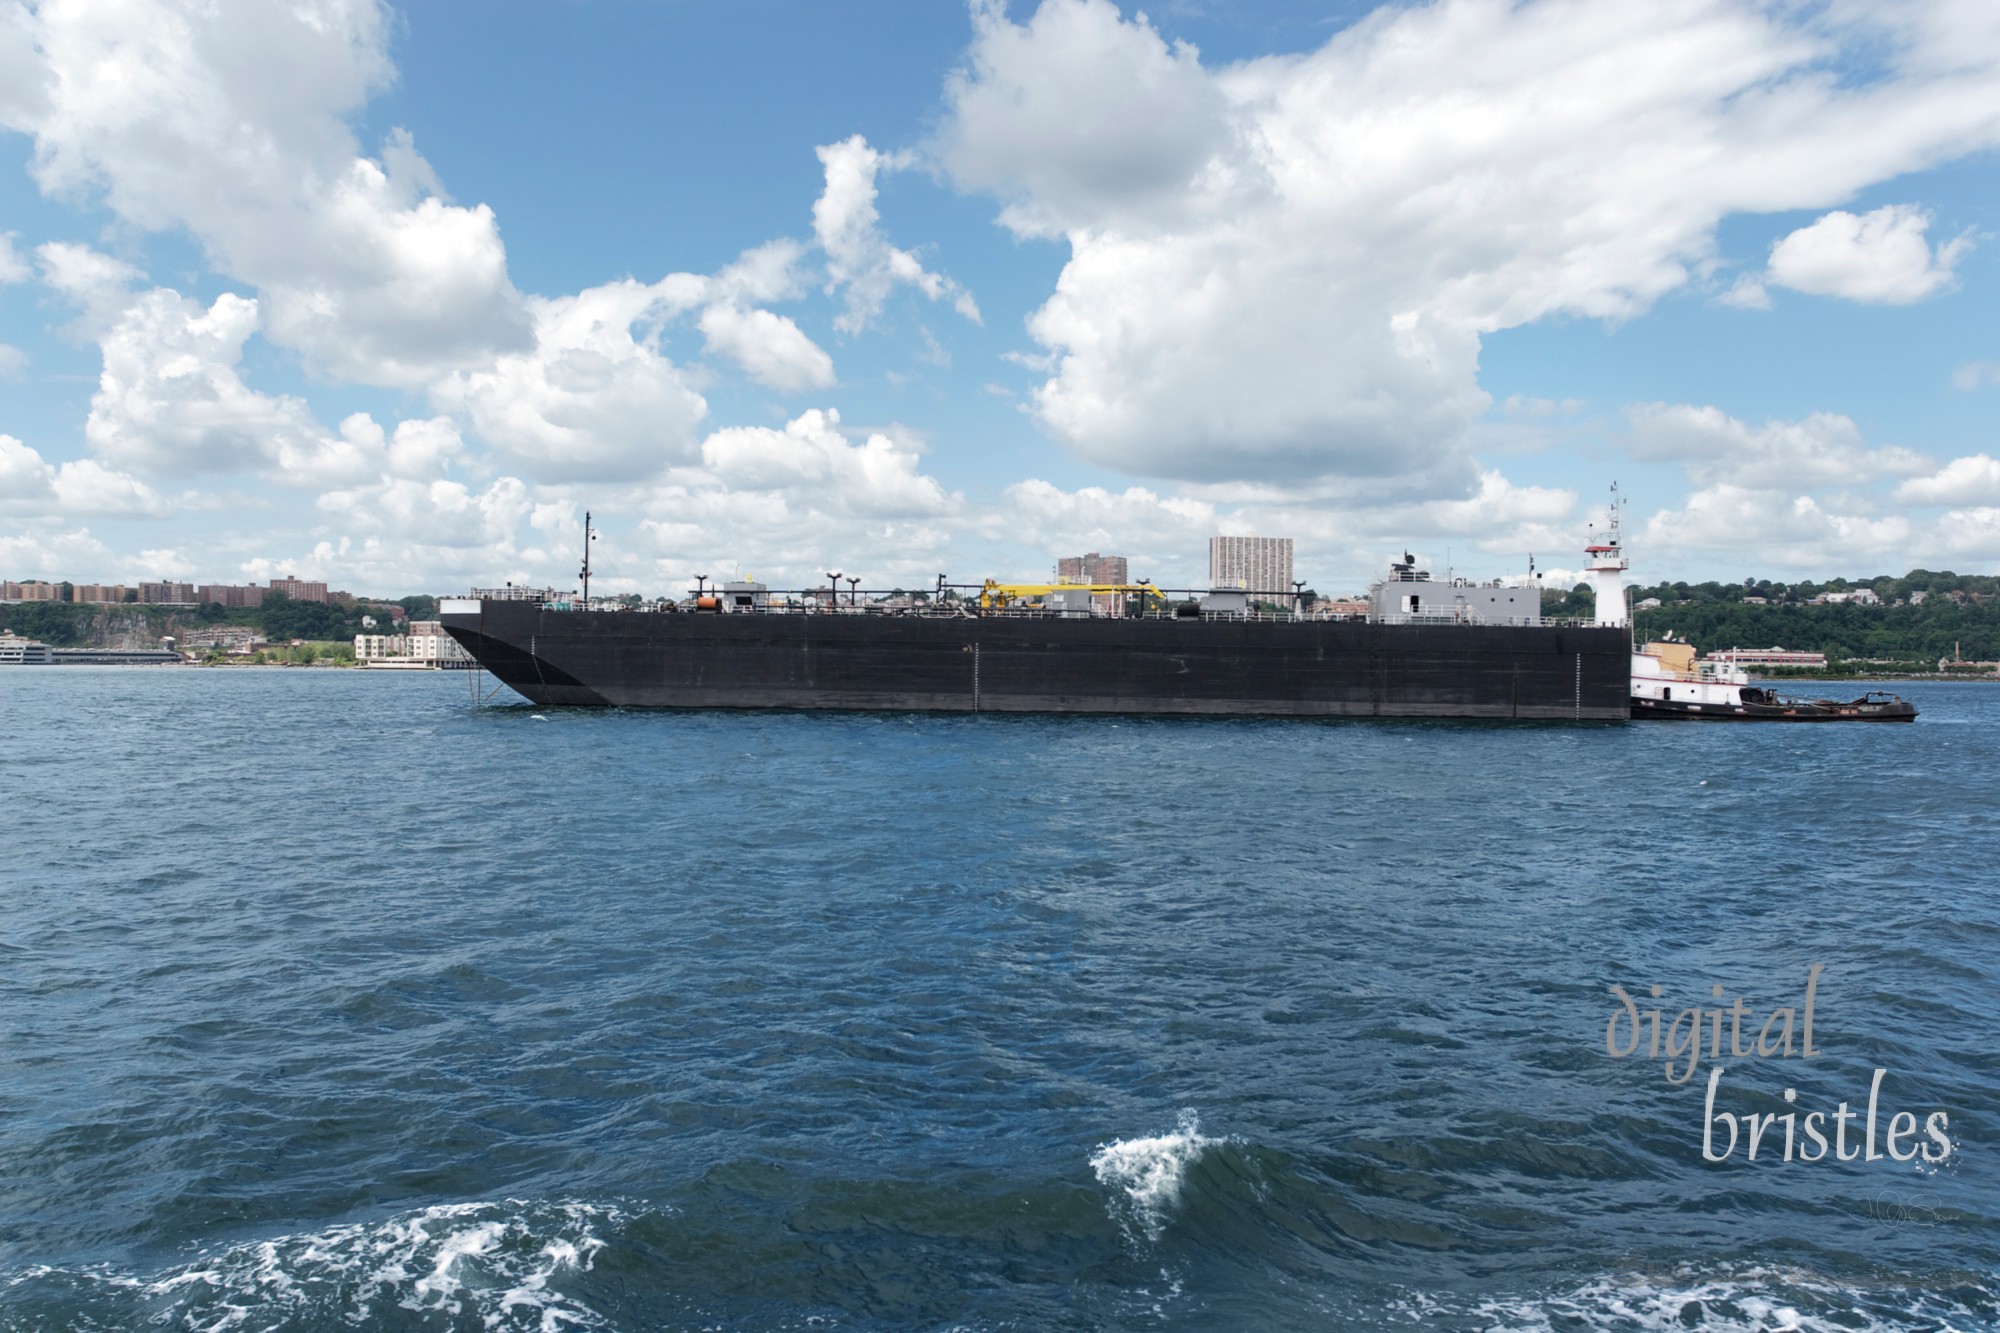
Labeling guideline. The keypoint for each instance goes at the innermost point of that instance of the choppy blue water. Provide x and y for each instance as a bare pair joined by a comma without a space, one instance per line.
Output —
327,999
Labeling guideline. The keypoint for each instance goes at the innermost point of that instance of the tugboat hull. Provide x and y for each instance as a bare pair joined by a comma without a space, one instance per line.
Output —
1868,708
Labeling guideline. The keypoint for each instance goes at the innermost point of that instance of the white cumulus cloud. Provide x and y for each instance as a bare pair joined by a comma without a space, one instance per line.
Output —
770,348
170,400
1282,268
1880,257
1824,449
598,398
595,398
95,282
24,477
79,488
876,478
227,118
1779,529
1155,531
1973,480
788,504
433,513
1976,375
13,268
860,260
1748,292
50,551
1809,496
442,535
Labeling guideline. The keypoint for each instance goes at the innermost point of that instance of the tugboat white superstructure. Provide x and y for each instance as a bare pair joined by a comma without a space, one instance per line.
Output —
1667,682
1666,672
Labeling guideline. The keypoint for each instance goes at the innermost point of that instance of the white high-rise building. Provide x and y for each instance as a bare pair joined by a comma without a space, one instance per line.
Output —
1258,565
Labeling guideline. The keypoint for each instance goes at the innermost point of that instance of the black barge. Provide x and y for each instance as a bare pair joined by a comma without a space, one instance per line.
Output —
976,659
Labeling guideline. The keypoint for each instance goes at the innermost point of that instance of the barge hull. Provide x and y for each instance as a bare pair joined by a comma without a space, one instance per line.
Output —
1029,664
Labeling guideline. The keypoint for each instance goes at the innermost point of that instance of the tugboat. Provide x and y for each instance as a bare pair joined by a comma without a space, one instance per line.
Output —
1667,682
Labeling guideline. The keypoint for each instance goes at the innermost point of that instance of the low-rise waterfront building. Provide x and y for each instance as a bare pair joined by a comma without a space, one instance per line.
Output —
114,657
429,643
380,647
426,645
1768,657
17,651
229,638
1957,661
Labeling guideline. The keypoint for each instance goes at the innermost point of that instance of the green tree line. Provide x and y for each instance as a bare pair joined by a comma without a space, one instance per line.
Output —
280,618
1715,615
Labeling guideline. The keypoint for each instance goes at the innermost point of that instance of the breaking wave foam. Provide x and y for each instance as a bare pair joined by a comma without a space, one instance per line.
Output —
1753,1300
497,1263
1147,1173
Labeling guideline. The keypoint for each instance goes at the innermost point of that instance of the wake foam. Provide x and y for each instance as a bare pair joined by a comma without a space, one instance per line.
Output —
1146,1174
497,1263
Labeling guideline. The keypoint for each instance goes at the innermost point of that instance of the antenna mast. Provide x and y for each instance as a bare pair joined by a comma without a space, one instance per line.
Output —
588,538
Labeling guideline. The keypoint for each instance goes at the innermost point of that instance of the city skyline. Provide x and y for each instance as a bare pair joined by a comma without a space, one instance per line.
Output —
974,288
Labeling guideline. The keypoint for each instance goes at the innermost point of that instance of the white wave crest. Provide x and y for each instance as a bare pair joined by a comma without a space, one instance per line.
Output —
493,1262
1147,1173
1751,1300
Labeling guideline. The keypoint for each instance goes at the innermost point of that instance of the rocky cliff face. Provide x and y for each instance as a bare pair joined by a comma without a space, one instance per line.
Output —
131,628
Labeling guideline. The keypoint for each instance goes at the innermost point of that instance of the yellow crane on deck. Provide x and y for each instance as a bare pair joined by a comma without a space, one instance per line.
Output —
997,595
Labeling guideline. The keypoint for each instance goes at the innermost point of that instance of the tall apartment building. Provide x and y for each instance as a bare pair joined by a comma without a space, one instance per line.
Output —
167,594
1255,564
299,590
1092,568
230,594
32,591
98,594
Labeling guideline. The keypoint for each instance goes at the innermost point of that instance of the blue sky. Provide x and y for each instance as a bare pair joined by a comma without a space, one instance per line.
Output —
391,296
